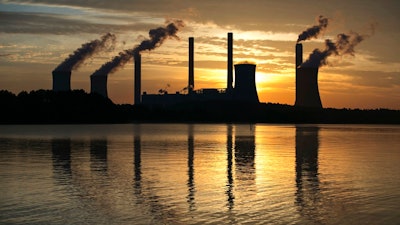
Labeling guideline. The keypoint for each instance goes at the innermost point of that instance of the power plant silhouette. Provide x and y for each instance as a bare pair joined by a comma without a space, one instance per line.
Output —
307,93
242,89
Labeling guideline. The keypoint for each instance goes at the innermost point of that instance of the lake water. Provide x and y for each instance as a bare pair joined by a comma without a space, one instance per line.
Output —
199,174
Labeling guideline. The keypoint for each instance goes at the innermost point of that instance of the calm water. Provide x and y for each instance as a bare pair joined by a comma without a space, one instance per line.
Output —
199,174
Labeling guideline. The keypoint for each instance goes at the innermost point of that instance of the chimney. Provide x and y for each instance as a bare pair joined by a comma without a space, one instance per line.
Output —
245,83
61,80
307,93
191,65
137,79
98,84
230,62
299,54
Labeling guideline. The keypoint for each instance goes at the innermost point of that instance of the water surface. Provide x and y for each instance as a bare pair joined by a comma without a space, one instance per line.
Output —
199,174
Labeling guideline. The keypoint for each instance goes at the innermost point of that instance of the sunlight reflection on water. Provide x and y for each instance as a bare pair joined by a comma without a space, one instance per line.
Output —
199,173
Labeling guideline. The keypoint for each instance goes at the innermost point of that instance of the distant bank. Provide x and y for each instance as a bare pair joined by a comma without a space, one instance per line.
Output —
48,107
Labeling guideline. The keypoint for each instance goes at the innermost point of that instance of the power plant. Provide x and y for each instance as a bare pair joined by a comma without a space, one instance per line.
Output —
244,89
307,93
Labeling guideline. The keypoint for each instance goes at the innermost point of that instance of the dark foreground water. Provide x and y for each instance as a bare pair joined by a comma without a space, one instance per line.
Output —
199,174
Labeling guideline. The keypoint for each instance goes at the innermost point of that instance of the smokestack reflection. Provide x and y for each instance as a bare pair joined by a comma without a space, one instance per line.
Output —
137,149
230,184
190,183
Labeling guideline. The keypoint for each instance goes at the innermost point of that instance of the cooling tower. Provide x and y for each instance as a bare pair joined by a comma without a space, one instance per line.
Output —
191,65
137,79
245,83
61,80
230,62
307,94
98,84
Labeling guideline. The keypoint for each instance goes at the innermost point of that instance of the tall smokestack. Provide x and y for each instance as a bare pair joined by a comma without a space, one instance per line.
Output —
230,62
191,65
299,54
137,80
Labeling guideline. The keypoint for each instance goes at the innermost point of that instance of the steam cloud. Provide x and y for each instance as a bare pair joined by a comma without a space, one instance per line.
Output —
157,37
75,60
344,45
314,31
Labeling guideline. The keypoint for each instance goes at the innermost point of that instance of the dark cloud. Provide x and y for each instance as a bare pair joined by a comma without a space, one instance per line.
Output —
254,14
35,23
373,78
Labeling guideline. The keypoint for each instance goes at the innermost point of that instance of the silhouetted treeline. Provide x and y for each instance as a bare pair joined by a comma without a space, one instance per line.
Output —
45,106
261,113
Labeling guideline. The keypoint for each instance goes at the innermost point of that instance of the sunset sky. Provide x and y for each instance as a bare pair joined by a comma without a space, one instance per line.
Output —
37,35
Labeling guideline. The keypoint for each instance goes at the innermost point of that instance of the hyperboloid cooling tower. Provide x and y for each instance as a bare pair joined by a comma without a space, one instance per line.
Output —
245,83
307,93
61,80
98,84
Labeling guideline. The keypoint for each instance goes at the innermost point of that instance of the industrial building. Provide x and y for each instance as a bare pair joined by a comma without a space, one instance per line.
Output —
243,91
307,93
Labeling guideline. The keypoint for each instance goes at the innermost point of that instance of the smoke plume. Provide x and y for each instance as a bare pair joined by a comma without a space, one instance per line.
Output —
157,37
314,31
76,59
344,45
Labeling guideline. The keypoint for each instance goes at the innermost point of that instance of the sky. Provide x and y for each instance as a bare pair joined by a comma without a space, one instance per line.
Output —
37,35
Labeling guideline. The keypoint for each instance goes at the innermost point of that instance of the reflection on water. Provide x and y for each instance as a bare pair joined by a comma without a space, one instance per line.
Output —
307,182
229,185
137,158
61,156
98,155
195,174
245,147
190,182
